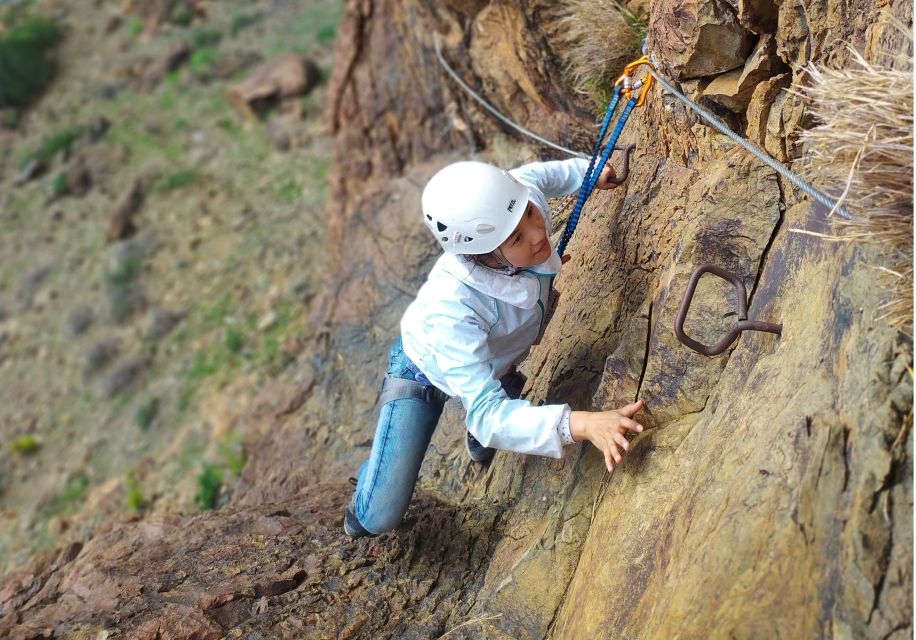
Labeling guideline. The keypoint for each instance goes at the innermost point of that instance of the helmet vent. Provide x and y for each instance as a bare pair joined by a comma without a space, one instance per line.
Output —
429,217
441,226
444,238
468,239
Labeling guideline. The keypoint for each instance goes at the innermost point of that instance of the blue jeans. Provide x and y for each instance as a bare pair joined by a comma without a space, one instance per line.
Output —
405,426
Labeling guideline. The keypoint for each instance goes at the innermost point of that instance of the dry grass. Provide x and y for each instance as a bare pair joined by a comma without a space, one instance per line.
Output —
601,37
863,149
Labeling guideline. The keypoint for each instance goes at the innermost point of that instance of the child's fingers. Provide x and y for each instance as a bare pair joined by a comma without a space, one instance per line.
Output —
615,454
608,461
631,409
622,441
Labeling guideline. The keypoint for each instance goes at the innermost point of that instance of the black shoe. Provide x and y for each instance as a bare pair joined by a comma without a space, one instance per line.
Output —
477,451
352,527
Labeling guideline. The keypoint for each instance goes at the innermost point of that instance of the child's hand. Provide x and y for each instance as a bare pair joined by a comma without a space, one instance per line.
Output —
607,174
607,430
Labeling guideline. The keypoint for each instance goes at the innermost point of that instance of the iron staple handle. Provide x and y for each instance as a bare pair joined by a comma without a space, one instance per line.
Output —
743,323
627,151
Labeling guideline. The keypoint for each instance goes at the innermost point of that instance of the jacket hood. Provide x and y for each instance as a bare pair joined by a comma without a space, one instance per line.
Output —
521,290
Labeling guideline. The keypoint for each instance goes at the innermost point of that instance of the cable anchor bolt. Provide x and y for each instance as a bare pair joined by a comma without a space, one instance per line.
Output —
743,323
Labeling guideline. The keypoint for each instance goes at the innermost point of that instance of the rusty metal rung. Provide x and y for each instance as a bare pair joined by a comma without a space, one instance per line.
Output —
627,152
743,323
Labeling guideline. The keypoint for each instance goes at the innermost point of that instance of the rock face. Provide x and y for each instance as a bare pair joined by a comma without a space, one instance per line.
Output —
281,570
698,38
772,496
734,88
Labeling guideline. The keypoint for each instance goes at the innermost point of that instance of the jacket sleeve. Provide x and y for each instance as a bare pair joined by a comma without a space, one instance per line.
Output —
554,178
492,417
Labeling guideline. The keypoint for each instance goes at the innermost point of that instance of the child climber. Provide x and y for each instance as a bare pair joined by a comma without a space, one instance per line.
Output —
480,310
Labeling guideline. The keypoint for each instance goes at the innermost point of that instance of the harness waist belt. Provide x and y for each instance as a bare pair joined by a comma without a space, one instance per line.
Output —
398,388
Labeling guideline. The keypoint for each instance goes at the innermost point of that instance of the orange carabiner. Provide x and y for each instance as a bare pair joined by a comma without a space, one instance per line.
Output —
647,82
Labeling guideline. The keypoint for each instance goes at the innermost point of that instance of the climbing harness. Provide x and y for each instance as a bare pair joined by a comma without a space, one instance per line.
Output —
743,323
398,388
636,93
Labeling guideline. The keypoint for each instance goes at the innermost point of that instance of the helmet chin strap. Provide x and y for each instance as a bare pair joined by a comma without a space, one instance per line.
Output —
504,265
503,259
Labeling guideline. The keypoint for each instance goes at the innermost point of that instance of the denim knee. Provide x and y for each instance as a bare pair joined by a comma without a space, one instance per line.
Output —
384,521
387,480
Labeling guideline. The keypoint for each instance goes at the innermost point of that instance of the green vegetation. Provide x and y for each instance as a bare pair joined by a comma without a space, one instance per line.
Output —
202,59
602,89
122,400
307,103
202,367
242,21
205,364
26,444
209,482
172,80
142,143
211,477
60,185
205,38
217,312
175,180
51,146
146,413
270,356
136,502
233,340
639,24
25,62
235,460
125,272
167,101
11,118
229,126
241,342
135,26
289,192
154,132
326,33
74,493
233,453
189,455
316,25
183,15
119,283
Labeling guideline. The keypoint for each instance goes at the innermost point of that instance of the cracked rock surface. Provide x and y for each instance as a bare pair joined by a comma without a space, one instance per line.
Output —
772,496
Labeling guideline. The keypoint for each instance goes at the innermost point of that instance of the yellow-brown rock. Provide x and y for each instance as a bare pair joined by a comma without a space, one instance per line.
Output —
693,38
734,88
772,495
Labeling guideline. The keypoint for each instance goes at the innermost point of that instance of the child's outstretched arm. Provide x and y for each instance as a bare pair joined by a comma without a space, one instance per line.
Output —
606,430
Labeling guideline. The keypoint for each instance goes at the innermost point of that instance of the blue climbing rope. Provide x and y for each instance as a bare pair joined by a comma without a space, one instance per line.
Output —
599,159
595,165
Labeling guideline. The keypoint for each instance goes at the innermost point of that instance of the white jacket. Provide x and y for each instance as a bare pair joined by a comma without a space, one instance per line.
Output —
469,324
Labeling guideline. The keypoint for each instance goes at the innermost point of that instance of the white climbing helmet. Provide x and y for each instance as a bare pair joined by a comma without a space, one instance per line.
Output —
472,207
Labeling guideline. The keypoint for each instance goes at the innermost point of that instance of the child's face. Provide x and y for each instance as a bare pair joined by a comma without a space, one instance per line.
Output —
528,245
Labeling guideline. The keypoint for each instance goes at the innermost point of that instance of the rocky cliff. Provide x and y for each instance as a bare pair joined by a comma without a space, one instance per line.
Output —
772,495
